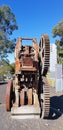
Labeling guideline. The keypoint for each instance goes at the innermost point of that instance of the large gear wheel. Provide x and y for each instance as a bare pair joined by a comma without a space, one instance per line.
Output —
44,52
44,56
45,99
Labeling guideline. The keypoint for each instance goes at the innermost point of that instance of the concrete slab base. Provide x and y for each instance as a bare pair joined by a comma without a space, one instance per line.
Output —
26,112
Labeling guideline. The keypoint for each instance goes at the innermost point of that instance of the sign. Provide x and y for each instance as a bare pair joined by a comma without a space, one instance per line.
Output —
58,75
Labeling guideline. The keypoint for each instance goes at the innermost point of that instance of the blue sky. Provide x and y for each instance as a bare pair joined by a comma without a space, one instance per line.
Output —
35,17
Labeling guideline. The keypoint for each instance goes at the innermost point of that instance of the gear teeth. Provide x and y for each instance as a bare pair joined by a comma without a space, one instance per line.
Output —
45,52
46,100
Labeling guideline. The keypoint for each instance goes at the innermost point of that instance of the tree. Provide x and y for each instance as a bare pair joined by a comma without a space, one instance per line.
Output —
58,31
7,68
7,26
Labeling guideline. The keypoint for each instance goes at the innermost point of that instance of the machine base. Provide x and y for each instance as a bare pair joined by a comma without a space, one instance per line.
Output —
26,112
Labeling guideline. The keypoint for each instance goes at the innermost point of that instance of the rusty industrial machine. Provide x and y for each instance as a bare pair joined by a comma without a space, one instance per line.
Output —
30,87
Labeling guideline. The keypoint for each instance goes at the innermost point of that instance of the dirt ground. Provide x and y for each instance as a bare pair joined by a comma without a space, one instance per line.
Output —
55,121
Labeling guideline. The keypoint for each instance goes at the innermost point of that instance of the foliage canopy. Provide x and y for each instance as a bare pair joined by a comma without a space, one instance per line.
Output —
7,26
58,31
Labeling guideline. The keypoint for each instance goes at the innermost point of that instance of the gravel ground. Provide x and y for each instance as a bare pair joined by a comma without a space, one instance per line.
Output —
55,121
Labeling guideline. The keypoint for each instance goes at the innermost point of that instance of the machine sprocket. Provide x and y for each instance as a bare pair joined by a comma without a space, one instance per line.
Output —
44,52
45,99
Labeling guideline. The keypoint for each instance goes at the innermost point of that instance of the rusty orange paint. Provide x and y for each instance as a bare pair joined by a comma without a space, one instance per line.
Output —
17,65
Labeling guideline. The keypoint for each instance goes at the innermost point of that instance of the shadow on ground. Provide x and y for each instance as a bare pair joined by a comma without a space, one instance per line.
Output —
5,82
56,107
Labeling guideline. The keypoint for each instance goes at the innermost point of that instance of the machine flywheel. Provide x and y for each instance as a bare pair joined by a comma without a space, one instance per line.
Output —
9,95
